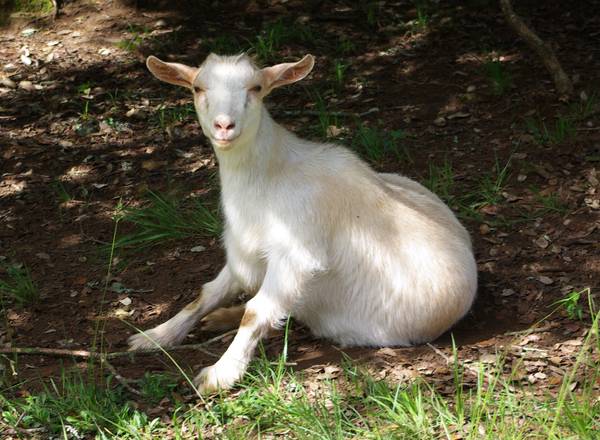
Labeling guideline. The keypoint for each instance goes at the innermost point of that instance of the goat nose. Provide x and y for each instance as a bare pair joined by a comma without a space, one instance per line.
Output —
224,123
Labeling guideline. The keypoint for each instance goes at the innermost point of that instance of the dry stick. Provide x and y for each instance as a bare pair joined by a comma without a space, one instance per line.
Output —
122,380
563,84
113,355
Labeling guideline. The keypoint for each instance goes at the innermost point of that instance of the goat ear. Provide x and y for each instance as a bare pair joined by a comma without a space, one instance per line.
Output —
287,73
173,73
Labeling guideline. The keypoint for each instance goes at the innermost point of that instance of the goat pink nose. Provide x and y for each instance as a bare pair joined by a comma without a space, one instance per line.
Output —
224,123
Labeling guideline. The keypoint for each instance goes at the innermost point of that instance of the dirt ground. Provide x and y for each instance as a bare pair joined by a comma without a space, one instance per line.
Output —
80,115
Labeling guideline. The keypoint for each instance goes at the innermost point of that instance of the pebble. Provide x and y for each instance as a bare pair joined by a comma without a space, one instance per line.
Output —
542,242
546,280
439,122
27,85
7,82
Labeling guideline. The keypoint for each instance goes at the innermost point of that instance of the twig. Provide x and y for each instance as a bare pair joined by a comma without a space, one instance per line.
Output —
530,330
123,381
116,354
563,83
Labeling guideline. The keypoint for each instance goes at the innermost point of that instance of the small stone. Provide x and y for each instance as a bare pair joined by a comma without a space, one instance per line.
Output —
198,249
28,32
471,89
507,292
540,375
7,82
488,358
136,113
542,242
521,178
10,67
160,24
458,115
546,280
125,301
26,60
439,122
484,229
53,43
27,85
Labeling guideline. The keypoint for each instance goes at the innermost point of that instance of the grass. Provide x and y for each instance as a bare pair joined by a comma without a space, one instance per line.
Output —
422,21
60,191
550,203
571,304
583,109
339,74
274,401
441,181
168,116
326,118
137,36
563,127
31,6
499,79
17,285
278,34
492,184
166,218
376,144
560,131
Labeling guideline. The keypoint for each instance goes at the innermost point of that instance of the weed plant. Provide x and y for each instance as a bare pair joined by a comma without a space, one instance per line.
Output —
165,218
376,144
17,285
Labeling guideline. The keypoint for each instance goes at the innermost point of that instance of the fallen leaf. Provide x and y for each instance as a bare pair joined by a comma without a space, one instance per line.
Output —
545,280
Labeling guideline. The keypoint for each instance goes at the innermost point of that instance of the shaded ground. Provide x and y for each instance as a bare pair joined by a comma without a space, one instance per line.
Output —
90,128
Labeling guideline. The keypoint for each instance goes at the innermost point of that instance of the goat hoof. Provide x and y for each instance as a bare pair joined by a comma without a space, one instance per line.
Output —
220,376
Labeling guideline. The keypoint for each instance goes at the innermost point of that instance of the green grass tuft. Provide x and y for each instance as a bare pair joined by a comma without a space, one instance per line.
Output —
499,78
376,144
17,285
562,130
165,218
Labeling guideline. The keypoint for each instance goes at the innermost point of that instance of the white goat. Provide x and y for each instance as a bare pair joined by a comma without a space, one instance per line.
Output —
361,258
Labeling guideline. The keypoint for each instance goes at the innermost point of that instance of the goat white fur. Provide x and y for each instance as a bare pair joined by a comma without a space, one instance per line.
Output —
359,257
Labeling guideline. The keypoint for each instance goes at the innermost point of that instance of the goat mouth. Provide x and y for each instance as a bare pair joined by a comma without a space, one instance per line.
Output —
224,143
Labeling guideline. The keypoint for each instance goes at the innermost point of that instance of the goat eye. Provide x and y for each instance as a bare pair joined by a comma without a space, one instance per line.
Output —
256,89
198,89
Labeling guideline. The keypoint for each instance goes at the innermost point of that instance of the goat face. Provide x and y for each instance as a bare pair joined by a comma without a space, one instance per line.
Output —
228,92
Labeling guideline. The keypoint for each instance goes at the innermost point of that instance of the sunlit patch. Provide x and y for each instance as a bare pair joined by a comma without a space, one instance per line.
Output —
77,173
70,240
11,185
481,57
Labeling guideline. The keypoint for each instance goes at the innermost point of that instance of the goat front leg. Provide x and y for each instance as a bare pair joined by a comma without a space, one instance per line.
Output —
283,282
214,293
262,313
